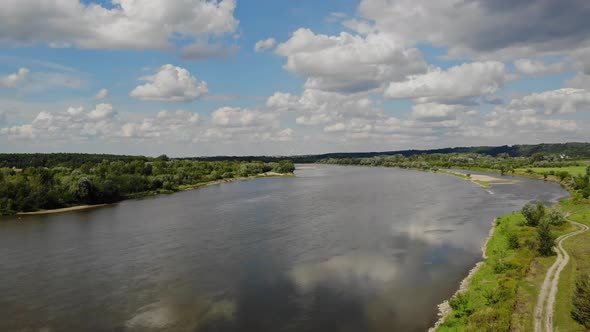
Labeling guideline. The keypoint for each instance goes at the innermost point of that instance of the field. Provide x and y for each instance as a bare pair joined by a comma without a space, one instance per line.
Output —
573,170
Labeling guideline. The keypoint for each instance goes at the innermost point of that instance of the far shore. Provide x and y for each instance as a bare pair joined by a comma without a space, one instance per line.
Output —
187,188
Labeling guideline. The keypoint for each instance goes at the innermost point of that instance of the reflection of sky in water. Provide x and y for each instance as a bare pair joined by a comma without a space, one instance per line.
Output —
335,249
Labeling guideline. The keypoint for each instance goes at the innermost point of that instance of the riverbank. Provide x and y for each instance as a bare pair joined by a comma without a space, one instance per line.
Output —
445,308
501,292
154,193
61,210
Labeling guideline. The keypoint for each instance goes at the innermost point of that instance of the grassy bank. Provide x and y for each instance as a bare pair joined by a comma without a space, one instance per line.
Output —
502,294
578,248
488,303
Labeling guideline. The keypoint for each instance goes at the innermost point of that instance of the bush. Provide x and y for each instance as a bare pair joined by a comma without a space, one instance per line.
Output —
581,301
460,305
545,239
555,217
513,241
533,213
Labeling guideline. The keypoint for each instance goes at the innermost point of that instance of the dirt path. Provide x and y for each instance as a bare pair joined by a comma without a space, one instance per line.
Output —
546,301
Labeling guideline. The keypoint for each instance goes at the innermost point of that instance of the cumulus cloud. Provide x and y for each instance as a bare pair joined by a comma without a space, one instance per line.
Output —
238,117
485,27
264,45
74,122
12,80
438,112
454,84
102,94
178,126
128,24
537,68
170,83
348,63
317,107
561,101
581,81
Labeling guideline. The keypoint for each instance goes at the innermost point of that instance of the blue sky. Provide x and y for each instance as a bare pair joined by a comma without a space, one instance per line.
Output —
183,77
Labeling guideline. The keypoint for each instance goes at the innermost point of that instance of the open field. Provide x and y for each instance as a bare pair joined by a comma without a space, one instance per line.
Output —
573,170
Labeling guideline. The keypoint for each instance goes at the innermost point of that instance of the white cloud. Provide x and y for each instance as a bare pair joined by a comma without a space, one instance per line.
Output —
526,120
454,84
485,27
12,80
561,101
537,68
348,63
66,125
170,83
129,24
581,81
438,112
264,45
102,94
178,126
317,107
238,117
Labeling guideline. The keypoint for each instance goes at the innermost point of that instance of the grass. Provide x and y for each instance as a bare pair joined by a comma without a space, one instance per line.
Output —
489,302
572,170
459,175
579,252
483,183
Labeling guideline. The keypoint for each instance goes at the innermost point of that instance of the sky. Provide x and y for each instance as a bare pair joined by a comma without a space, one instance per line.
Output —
269,77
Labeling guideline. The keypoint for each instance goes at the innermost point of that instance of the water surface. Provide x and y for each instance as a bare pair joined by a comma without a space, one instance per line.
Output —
333,249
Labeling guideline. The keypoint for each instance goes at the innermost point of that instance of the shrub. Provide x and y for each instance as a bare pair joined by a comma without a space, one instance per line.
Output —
513,241
581,301
533,213
545,239
555,217
460,305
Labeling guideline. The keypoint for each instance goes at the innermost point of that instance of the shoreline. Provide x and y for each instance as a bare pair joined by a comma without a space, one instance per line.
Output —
142,195
60,210
444,309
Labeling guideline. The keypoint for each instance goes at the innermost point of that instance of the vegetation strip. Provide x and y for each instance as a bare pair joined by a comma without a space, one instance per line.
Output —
74,182
546,301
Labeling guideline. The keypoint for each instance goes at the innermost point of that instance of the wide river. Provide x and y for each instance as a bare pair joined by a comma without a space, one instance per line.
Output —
333,249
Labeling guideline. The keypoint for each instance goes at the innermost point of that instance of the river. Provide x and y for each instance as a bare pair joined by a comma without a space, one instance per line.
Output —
332,249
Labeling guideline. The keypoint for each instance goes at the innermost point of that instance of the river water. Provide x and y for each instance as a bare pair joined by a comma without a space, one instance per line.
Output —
333,249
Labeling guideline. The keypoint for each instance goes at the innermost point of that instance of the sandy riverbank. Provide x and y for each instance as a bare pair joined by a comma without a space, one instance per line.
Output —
67,209
492,179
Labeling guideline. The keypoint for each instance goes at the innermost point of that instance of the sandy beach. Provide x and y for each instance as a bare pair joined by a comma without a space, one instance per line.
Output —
67,209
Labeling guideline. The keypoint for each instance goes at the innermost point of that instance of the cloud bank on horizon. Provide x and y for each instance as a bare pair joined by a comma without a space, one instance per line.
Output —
211,77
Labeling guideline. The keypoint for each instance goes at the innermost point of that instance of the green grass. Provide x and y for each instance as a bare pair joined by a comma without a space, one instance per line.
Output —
459,175
483,183
579,252
573,170
489,302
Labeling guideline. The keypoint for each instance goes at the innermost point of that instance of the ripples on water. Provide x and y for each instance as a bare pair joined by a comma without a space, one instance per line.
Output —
334,249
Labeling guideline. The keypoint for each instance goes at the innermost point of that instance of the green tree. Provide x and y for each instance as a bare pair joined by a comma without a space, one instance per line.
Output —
581,301
545,238
533,213
284,166
555,217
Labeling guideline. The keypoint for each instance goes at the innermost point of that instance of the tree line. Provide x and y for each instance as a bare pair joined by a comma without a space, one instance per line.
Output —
67,182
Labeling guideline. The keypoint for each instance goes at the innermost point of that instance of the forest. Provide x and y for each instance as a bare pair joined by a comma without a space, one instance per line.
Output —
41,182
